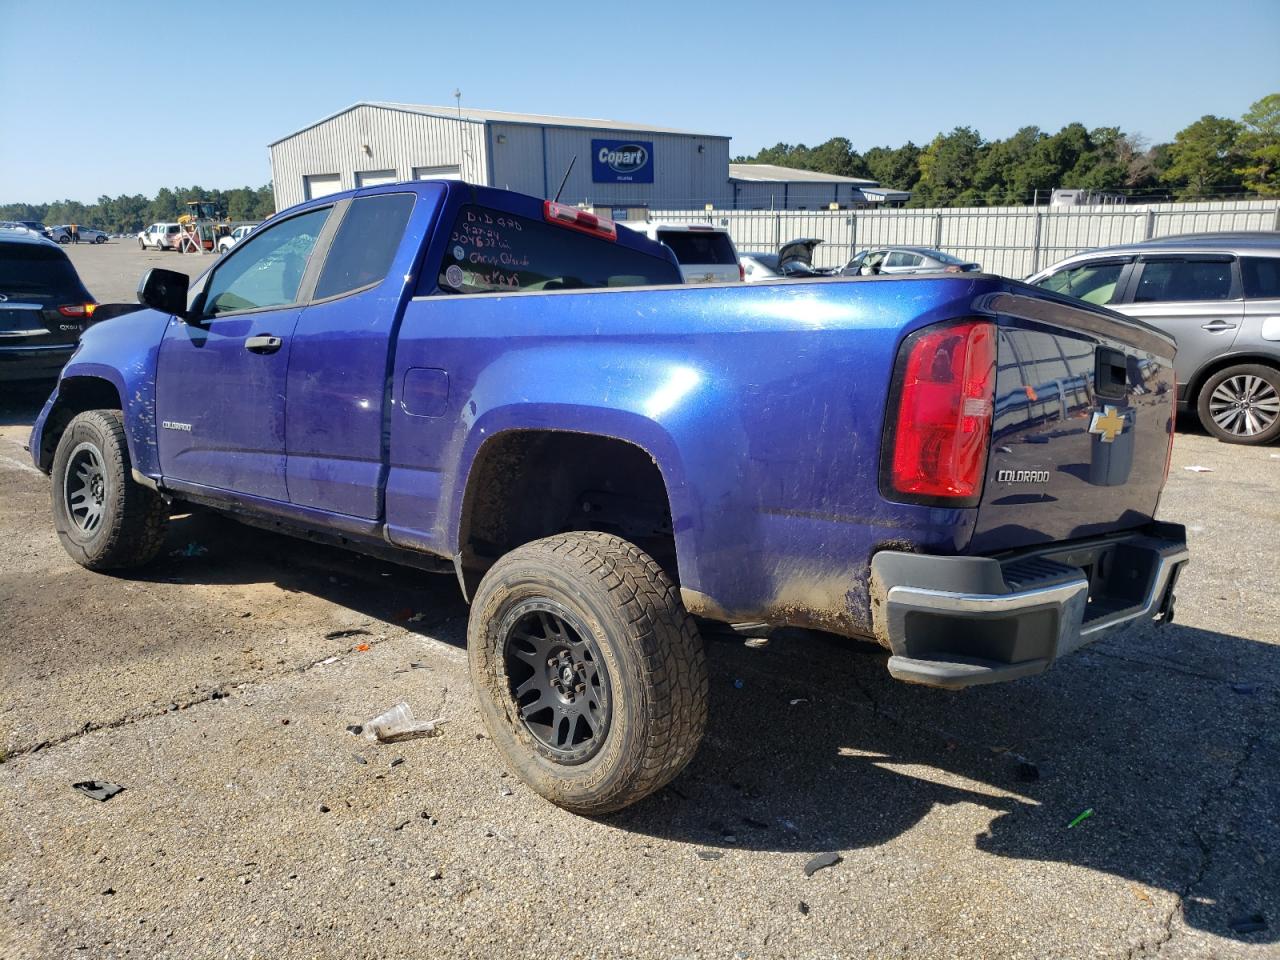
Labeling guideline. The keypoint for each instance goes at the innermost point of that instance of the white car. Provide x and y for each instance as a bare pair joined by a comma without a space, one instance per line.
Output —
705,253
160,236
236,235
62,234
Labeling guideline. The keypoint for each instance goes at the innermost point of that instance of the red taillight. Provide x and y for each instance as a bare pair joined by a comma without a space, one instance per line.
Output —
936,448
742,272
79,310
575,219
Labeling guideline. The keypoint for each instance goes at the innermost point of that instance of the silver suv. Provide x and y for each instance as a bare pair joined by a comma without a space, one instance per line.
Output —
1219,296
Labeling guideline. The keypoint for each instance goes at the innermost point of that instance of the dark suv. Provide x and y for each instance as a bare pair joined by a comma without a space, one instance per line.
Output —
43,306
1218,295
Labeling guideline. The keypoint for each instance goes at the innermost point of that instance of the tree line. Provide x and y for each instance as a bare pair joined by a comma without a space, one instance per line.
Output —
131,213
1214,157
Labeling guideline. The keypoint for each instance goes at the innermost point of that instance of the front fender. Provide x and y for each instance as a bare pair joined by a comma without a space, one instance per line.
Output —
122,352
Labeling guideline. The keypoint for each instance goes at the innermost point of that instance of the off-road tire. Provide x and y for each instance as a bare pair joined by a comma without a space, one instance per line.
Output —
1269,375
655,659
132,526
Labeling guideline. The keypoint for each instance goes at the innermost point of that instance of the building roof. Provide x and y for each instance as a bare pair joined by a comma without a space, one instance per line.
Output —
771,173
472,115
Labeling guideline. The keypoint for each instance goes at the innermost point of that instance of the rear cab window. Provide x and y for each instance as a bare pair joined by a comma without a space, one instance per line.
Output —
365,244
697,247
492,251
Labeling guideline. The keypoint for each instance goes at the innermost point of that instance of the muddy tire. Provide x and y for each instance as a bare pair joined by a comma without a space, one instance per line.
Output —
105,520
591,678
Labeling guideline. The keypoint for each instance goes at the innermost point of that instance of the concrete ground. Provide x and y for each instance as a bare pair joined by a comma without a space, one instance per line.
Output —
216,686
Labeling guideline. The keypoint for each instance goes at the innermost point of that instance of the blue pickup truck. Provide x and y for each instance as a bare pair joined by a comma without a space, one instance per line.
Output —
962,468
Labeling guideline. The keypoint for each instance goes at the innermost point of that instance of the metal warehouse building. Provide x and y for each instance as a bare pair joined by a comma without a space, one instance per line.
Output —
624,168
621,164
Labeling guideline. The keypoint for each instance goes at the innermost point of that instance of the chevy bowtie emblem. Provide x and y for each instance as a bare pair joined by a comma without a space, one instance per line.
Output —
1108,424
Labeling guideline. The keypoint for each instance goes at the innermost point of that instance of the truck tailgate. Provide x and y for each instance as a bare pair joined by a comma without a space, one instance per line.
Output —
1082,424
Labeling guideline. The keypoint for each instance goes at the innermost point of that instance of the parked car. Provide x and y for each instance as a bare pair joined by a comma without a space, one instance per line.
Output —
160,236
896,261
705,253
36,226
1219,296
62,234
794,259
44,307
234,237
531,403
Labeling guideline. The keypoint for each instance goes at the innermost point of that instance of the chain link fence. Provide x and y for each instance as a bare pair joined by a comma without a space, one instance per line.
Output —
1013,241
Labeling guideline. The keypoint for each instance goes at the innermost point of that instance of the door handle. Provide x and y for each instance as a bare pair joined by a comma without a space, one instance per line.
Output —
1217,326
263,344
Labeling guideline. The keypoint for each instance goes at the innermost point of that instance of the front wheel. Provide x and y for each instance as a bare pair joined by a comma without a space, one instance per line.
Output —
591,677
104,518
1241,404
99,239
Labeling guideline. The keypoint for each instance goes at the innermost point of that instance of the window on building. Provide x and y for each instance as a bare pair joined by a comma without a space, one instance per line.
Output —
365,243
491,251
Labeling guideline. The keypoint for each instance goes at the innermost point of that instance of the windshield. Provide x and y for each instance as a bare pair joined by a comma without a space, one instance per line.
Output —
697,247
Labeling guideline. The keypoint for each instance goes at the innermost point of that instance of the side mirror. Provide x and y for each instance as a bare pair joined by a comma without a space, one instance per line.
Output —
166,291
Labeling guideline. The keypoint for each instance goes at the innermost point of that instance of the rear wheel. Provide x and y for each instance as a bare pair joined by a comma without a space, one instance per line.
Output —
1241,404
591,678
104,518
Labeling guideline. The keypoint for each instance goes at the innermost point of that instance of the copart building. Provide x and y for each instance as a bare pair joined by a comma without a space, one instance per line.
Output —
620,169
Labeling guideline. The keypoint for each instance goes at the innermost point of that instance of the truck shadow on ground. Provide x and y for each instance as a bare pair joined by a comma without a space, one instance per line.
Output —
813,747
1165,735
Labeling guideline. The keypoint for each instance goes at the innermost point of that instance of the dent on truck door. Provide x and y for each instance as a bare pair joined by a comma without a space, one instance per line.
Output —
220,383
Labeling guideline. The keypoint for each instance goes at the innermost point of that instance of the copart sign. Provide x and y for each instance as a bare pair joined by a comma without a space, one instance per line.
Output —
622,161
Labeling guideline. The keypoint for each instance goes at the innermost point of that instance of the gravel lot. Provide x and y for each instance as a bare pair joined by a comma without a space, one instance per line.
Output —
216,686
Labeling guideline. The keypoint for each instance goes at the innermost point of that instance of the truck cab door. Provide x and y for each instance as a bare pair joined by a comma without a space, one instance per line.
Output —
338,388
220,382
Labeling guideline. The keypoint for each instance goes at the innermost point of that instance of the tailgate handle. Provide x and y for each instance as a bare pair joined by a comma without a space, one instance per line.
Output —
263,344
1111,372
1217,326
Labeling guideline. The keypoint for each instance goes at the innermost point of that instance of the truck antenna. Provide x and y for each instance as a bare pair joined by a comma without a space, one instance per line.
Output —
566,177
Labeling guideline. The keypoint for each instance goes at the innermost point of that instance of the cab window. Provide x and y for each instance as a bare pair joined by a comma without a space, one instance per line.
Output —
1093,283
491,251
364,244
265,270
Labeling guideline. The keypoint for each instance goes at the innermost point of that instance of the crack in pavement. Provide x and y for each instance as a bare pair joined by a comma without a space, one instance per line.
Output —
219,692
1207,849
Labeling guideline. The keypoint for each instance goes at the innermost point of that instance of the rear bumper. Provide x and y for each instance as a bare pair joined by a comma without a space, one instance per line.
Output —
43,362
957,622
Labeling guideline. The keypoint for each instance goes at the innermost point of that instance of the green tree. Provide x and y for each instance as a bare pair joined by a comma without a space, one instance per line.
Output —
1260,146
947,168
896,169
1204,155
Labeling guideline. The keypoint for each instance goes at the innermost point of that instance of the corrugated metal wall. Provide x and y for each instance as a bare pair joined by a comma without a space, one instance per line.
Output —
753,195
681,175
396,139
1013,241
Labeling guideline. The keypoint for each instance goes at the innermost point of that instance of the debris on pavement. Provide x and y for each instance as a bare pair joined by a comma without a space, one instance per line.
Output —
710,855
359,759
820,862
1249,923
190,550
323,808
396,762
1196,468
361,647
398,724
1081,818
343,634
1141,894
796,701
355,728
98,789
738,684
1247,689
804,908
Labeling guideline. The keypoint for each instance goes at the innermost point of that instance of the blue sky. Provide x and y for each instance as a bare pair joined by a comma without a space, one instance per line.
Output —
124,97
